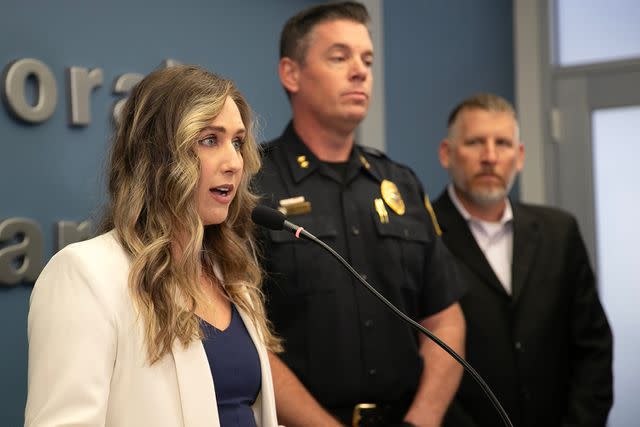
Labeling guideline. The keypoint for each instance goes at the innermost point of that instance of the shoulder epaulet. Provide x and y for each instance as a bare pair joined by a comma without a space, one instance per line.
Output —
372,151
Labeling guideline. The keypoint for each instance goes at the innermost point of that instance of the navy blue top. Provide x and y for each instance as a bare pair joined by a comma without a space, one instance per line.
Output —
235,367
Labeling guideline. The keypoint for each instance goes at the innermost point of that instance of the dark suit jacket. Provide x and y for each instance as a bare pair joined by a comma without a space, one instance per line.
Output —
546,350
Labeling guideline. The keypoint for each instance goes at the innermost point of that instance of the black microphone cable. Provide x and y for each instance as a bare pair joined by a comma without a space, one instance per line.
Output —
276,220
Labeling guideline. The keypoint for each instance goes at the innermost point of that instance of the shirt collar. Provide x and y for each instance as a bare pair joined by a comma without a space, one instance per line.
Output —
302,162
299,158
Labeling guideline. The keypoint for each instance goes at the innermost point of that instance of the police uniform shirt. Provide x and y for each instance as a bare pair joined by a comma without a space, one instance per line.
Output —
344,344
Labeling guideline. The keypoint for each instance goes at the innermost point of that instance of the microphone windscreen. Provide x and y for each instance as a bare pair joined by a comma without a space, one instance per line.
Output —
270,218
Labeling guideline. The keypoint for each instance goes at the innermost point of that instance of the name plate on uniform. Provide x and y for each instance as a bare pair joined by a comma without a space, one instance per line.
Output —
294,206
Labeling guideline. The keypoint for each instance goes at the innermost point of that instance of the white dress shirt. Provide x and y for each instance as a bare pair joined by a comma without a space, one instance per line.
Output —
494,238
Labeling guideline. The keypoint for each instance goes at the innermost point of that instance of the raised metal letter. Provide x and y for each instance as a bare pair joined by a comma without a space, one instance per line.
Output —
21,260
71,232
124,84
169,63
15,77
81,83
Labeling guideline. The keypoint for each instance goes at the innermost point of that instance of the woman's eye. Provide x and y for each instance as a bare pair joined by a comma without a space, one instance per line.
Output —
238,143
208,141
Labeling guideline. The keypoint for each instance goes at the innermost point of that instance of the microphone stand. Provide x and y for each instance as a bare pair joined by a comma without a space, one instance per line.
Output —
299,231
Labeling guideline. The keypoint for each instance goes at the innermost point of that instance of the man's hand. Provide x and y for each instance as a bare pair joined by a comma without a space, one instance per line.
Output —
441,374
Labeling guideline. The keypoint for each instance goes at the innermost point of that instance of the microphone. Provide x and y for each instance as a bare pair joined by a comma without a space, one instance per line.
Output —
276,220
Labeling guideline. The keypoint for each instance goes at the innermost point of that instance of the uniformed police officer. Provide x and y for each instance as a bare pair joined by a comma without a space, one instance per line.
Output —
343,349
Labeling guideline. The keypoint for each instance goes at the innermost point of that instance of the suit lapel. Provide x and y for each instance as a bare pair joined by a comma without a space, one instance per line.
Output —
197,393
458,238
526,239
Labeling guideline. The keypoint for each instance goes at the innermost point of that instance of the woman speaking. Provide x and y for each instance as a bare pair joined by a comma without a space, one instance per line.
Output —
159,320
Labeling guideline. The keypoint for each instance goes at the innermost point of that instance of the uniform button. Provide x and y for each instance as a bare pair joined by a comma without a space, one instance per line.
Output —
368,323
372,371
364,276
355,230
518,346
524,394
406,232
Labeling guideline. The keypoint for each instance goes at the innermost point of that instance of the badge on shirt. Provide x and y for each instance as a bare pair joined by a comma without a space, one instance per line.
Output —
392,197
294,206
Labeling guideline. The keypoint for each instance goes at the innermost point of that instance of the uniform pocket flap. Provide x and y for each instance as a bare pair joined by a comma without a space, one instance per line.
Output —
319,226
403,228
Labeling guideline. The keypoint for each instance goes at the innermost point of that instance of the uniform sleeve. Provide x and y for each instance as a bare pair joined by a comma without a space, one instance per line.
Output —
72,346
443,283
591,379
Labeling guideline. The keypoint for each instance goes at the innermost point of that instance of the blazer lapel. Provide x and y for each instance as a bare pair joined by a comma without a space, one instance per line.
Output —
458,238
264,407
526,239
197,392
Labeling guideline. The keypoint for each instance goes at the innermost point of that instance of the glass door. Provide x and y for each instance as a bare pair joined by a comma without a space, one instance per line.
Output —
596,162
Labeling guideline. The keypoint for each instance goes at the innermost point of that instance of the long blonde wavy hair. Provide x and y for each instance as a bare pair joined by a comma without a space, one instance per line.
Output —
152,180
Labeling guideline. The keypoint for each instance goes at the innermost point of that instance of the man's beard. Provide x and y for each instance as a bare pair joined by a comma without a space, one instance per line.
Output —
483,196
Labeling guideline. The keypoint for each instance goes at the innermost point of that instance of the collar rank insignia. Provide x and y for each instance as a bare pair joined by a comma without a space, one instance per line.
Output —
364,162
302,162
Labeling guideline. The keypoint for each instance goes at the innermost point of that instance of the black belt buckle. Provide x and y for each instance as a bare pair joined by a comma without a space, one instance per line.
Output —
365,414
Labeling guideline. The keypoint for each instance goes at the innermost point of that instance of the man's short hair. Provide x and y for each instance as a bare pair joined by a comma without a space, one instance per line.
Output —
294,39
482,101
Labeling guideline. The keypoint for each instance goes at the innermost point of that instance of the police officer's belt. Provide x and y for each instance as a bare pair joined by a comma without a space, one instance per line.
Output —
372,414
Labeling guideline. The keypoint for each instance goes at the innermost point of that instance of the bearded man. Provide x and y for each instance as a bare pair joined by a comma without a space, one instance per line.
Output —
536,331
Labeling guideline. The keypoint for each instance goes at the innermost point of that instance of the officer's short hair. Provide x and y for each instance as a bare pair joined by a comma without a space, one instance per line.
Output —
294,39
482,101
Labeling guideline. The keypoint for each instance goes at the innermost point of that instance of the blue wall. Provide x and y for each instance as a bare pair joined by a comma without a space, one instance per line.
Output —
51,171
436,54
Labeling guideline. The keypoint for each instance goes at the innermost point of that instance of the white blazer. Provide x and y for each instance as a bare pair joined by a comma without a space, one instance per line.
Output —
87,353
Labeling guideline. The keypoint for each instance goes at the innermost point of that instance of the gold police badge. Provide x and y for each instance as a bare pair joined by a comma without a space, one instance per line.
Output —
391,196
